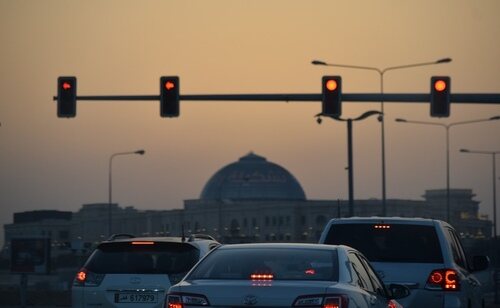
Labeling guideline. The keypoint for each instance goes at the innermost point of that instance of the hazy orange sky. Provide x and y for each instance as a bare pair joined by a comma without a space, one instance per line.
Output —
123,47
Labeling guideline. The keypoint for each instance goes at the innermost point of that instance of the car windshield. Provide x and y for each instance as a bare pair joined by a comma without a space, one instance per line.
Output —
389,242
142,258
268,264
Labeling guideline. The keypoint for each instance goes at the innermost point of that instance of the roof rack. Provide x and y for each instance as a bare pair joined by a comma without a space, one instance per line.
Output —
193,237
120,235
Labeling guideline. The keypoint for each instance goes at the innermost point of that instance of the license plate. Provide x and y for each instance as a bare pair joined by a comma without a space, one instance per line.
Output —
136,297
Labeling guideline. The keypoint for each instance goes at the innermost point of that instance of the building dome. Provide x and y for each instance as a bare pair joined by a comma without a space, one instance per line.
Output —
252,178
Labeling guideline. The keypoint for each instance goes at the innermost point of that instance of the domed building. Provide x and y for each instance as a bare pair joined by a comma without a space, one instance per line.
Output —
252,177
251,199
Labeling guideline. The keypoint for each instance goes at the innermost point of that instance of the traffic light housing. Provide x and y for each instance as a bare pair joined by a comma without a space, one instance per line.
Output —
66,97
169,96
331,90
440,96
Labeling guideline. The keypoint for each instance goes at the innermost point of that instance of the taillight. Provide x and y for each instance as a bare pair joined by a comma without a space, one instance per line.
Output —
86,278
392,304
173,301
443,279
329,301
177,300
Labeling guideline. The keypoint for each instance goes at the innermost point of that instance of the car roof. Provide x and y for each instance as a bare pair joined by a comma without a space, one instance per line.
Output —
382,220
164,239
280,246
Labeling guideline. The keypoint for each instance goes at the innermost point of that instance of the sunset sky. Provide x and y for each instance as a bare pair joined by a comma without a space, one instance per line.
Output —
234,47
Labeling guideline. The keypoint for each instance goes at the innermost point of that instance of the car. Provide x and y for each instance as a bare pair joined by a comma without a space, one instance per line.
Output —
128,271
426,255
283,275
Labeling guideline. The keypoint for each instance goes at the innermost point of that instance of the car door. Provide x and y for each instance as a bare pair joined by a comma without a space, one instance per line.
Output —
372,296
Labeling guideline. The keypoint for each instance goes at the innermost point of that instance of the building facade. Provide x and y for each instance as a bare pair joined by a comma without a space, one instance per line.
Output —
250,200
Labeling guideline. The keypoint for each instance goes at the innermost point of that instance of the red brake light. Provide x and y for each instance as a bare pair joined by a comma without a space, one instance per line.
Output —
391,304
87,278
261,276
330,301
310,271
382,226
436,277
443,279
451,280
81,275
143,243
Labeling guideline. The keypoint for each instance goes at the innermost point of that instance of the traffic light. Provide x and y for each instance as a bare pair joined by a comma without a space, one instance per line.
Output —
440,96
66,97
169,96
331,96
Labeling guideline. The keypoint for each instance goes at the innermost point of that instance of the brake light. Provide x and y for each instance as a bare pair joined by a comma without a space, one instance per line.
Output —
332,301
382,226
261,276
173,301
179,300
392,304
143,243
86,278
443,279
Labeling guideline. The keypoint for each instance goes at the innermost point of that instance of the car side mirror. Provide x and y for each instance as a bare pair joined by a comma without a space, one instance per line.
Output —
480,263
397,291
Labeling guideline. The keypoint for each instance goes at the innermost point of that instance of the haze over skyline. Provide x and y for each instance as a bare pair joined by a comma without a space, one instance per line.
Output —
123,47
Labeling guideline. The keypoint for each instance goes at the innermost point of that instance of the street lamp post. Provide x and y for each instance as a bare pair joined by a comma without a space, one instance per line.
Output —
381,73
447,128
350,166
110,186
493,158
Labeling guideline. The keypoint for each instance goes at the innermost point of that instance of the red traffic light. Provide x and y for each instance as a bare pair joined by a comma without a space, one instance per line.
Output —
169,85
440,96
331,96
66,97
331,85
169,96
440,85
66,85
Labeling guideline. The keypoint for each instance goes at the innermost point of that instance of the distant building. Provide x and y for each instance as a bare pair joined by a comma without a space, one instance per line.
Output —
250,200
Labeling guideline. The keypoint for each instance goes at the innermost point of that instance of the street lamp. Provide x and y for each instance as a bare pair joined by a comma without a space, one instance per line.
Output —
381,73
447,127
493,158
110,186
350,166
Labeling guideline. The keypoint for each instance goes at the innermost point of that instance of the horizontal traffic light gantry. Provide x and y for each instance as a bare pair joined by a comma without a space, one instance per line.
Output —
66,97
331,97
440,96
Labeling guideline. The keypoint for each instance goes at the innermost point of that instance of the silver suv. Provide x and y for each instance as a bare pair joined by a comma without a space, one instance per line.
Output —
424,254
128,271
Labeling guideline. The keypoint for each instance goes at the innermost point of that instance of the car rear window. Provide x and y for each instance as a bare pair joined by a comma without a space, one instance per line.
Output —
389,242
143,258
280,263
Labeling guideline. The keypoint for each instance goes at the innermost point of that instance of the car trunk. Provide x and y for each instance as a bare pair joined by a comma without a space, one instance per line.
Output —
256,293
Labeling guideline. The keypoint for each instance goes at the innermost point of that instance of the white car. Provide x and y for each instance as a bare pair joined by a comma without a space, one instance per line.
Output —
283,275
424,254
127,271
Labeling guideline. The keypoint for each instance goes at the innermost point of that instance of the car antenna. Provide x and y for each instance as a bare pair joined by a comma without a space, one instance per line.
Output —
183,235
